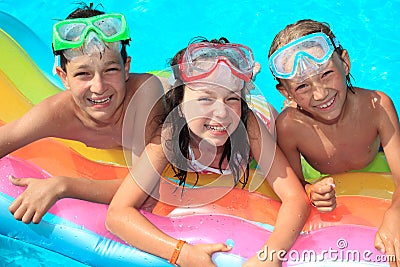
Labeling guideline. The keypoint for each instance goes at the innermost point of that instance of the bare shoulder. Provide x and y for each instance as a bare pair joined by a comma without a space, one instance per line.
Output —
143,81
59,106
376,100
48,118
293,128
289,119
384,100
145,91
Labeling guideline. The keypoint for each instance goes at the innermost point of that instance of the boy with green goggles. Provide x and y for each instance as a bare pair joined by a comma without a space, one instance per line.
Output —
100,97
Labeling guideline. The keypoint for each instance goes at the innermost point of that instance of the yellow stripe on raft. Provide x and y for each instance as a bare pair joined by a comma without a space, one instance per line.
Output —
13,104
369,184
18,66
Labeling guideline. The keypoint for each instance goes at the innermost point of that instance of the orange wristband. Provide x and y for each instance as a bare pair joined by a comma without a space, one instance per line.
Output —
176,252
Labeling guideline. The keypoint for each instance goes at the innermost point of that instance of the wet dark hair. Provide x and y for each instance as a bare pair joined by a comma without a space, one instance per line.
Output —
237,147
85,11
302,28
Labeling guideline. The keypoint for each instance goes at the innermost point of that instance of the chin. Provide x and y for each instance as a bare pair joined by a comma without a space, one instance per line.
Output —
216,142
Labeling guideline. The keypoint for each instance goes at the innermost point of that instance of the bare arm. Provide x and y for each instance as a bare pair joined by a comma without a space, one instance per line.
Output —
389,133
41,194
125,220
321,193
48,118
39,122
388,235
286,139
295,206
54,117
144,113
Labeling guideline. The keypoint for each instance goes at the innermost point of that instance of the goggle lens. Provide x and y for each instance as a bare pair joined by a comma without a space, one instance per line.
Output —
109,26
201,59
71,32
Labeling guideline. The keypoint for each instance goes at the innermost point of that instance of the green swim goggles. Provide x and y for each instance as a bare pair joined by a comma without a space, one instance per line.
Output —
71,33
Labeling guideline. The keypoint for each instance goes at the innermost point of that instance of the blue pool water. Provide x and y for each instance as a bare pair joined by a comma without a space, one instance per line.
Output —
368,29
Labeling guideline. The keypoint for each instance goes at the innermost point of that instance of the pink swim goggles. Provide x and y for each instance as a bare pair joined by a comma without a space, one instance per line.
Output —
201,59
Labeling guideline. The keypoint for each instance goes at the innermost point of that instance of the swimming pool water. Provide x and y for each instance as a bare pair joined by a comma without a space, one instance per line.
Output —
368,29
15,253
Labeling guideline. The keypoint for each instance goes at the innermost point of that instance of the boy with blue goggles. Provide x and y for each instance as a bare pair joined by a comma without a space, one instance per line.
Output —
303,57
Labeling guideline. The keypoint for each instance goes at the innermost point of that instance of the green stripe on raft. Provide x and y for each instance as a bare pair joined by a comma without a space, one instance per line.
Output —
379,164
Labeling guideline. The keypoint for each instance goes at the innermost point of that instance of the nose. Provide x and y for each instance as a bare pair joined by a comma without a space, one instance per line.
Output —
319,92
98,85
220,109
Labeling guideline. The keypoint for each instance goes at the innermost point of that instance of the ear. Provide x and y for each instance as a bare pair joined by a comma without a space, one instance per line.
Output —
127,67
283,91
346,59
63,76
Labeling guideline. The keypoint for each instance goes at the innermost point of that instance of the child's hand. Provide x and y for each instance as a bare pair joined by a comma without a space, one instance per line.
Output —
200,255
255,261
38,197
322,194
387,239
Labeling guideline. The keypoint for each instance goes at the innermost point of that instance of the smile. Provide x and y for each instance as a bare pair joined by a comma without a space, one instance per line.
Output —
100,101
216,128
328,104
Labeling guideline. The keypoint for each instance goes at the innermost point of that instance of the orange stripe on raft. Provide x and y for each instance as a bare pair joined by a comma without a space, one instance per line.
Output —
60,160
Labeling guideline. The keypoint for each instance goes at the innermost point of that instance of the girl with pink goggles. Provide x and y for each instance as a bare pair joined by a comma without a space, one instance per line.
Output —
201,59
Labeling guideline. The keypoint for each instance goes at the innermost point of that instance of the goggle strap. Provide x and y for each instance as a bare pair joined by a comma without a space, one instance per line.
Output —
172,79
56,60
126,42
54,51
335,42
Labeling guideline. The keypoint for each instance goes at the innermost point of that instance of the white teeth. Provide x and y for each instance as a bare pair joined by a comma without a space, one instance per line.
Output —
327,104
215,128
100,101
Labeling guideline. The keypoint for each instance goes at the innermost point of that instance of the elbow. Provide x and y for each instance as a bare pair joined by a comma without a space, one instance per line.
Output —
112,219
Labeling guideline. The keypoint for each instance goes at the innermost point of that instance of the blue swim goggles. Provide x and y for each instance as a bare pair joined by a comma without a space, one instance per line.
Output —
303,57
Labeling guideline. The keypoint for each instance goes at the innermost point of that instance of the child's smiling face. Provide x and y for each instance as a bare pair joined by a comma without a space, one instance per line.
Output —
97,83
212,110
323,95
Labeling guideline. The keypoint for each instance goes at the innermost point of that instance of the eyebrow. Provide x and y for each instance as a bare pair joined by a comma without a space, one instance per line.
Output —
110,62
211,92
85,66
